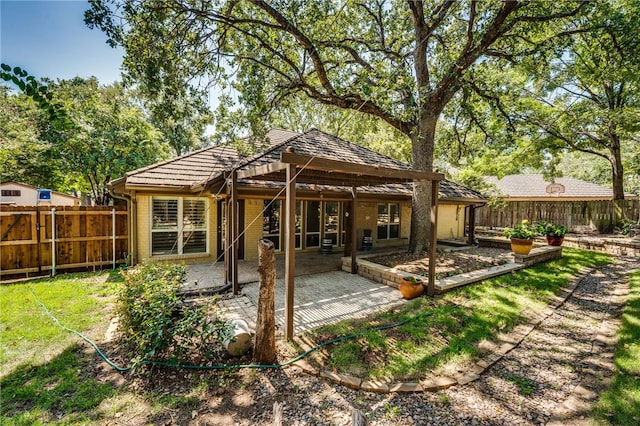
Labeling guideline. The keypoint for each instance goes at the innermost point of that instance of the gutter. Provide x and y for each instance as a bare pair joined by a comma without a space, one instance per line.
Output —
132,224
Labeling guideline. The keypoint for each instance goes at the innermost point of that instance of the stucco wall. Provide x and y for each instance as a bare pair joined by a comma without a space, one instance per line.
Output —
253,231
450,221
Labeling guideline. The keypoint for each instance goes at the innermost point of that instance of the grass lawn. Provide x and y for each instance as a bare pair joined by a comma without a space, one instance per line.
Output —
620,404
43,373
49,377
449,328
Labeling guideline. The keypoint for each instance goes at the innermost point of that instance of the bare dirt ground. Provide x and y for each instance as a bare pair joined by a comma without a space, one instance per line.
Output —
447,263
526,387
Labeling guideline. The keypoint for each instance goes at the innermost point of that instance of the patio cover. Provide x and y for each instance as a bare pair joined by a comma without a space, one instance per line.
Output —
295,168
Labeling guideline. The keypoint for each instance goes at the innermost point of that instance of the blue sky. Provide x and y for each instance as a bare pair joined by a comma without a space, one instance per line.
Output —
50,39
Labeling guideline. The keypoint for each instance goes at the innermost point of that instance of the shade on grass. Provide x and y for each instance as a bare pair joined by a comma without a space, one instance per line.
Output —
454,323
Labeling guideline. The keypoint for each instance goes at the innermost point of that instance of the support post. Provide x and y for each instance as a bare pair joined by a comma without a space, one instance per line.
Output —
113,236
433,244
354,233
234,232
53,242
264,351
290,255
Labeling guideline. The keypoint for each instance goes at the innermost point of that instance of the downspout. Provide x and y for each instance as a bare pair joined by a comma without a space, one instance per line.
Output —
131,215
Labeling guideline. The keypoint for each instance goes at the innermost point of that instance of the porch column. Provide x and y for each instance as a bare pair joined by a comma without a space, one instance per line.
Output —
354,233
290,247
431,285
234,232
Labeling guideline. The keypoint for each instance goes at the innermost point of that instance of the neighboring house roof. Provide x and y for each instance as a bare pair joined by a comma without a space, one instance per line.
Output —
525,187
201,167
35,188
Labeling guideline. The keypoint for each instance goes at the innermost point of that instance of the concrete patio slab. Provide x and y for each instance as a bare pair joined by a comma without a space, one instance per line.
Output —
319,299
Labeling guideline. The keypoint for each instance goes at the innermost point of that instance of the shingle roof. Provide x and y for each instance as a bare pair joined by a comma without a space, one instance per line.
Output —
201,166
535,186
194,168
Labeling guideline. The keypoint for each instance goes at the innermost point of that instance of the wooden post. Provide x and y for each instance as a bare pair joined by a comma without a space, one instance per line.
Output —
433,244
354,233
234,232
53,242
264,351
113,236
290,247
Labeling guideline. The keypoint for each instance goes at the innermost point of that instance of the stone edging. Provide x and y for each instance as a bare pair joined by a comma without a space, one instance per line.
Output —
500,348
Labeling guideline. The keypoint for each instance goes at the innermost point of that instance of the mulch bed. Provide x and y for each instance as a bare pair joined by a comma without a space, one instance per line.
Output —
447,263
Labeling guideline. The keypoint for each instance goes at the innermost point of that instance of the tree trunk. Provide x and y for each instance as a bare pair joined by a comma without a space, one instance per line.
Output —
264,350
422,141
616,167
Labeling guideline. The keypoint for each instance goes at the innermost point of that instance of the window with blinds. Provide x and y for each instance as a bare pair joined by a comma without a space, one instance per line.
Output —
179,226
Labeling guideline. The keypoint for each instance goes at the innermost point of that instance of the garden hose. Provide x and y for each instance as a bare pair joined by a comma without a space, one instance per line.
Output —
226,367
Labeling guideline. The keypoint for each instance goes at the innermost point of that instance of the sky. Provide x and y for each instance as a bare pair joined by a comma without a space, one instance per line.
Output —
50,39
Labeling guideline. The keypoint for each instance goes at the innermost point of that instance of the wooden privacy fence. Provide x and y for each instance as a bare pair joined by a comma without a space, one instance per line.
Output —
576,215
34,240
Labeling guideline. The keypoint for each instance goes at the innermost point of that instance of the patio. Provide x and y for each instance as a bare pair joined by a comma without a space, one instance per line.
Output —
323,293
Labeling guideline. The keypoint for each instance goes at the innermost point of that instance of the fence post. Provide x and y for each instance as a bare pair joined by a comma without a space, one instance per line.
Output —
113,233
53,242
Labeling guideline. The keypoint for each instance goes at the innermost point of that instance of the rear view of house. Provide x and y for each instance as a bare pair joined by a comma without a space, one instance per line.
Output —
178,208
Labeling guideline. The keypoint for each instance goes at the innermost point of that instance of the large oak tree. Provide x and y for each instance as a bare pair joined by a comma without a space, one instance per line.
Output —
401,61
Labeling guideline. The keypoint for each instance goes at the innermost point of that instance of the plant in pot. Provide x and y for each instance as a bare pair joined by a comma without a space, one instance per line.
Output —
521,236
411,287
554,233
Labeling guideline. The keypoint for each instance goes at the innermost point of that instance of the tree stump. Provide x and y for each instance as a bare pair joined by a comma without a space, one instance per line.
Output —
358,418
264,351
277,414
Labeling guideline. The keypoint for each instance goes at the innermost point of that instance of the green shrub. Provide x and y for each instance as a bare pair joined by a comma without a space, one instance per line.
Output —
158,324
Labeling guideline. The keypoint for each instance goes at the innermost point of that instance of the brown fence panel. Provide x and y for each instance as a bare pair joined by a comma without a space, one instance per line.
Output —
576,215
85,237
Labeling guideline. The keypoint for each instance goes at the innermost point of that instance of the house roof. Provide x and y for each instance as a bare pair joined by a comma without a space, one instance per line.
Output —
35,188
195,170
537,187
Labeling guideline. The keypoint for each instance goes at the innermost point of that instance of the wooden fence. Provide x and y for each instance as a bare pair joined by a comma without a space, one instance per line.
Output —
576,215
36,240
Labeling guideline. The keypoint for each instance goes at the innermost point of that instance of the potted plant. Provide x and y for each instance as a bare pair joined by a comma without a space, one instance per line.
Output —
554,233
521,236
410,287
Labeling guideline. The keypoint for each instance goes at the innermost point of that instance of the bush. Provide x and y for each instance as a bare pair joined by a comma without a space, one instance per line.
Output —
157,323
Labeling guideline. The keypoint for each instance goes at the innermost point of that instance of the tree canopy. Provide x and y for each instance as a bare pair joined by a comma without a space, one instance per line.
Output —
108,136
400,61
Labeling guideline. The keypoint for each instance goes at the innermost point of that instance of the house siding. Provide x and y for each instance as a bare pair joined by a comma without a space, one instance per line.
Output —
450,221
144,226
253,231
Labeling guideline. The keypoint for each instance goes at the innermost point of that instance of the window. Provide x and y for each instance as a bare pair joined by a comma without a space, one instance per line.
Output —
178,226
271,222
11,193
313,224
388,221
331,220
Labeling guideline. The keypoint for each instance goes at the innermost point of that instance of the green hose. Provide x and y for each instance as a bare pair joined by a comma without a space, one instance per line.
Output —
226,367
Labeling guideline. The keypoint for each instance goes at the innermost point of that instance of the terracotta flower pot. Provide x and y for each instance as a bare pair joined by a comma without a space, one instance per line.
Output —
520,246
554,241
410,290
